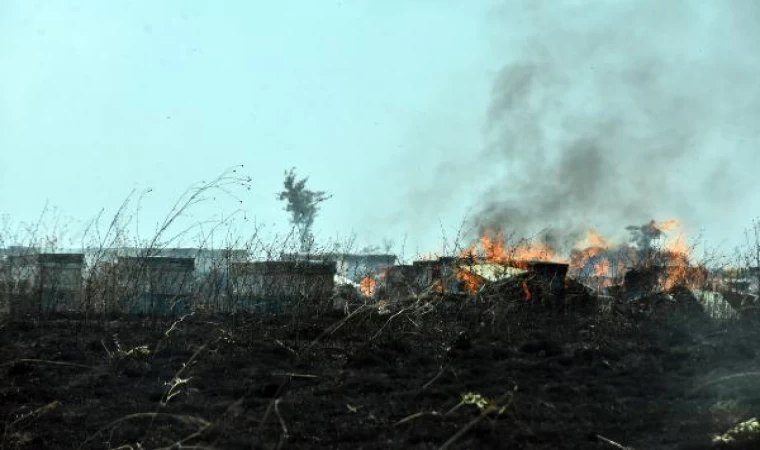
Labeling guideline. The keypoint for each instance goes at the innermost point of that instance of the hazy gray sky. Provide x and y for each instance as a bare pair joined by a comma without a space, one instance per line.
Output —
412,114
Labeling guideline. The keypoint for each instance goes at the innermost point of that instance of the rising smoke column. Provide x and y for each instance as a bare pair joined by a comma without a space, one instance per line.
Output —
618,111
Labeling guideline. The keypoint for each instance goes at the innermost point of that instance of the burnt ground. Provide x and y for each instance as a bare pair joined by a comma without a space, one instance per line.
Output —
555,380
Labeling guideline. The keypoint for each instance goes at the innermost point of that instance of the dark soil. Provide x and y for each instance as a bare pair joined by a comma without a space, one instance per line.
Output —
556,381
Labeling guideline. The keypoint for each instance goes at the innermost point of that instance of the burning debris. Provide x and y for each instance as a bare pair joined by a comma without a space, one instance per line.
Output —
538,273
648,264
367,286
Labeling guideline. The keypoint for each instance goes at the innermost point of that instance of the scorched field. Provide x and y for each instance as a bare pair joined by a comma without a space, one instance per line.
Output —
410,377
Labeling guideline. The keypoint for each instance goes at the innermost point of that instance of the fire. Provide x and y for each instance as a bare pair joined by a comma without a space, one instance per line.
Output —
603,268
596,240
595,246
668,225
471,281
673,255
528,295
677,269
535,252
367,286
493,249
596,256
677,245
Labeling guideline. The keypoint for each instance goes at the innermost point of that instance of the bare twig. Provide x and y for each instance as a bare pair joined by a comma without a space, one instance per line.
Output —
34,415
736,376
374,336
333,328
285,435
435,378
613,443
296,375
281,344
177,417
46,362
415,416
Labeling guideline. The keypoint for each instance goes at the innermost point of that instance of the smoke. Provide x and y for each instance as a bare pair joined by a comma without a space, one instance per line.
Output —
643,235
616,112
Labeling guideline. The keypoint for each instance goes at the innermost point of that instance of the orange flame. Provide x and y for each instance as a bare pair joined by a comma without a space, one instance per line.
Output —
603,268
471,281
675,252
535,252
596,240
528,295
493,249
677,265
367,286
595,245
668,225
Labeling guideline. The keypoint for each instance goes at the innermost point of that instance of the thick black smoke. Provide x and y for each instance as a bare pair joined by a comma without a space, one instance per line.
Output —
617,112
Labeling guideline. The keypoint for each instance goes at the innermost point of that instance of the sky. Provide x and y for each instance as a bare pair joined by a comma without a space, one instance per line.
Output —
420,117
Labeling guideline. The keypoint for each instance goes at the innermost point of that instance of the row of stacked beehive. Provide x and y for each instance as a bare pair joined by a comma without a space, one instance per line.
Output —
64,283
